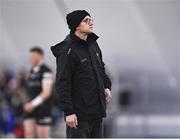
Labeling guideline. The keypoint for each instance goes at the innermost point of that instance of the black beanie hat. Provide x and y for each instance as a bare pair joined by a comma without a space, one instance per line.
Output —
74,18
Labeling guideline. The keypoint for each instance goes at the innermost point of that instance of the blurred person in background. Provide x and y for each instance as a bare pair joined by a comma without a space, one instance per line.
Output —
37,118
81,82
19,97
7,118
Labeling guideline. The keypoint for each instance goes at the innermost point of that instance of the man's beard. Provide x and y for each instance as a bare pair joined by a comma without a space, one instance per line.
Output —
87,33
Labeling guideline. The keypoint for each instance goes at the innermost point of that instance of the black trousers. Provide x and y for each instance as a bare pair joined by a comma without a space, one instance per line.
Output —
86,129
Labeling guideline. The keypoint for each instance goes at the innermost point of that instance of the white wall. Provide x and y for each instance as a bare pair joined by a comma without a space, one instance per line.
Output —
138,34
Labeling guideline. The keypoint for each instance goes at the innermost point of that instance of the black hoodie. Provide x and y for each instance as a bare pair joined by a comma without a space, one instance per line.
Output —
80,77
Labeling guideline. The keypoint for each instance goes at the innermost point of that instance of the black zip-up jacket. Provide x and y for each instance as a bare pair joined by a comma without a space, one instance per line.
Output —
81,77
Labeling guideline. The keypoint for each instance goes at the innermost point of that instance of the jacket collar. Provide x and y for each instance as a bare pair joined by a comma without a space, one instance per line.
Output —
90,39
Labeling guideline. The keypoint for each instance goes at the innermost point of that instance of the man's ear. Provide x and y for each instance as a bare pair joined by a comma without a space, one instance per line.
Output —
77,28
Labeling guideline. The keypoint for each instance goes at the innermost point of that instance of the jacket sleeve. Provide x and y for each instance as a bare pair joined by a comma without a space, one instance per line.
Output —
64,70
107,81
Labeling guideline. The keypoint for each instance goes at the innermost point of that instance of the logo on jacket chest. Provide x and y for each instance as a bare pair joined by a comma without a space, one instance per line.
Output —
83,60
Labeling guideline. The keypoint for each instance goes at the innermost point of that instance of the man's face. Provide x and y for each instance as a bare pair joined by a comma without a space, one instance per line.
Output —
35,58
86,26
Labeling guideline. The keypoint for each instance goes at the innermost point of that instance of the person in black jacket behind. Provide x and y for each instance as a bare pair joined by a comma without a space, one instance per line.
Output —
82,86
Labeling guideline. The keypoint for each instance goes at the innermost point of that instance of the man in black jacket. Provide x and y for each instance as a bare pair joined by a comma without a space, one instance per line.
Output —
82,86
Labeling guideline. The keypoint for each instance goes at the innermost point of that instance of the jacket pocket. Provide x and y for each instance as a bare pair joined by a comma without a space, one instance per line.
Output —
79,103
90,99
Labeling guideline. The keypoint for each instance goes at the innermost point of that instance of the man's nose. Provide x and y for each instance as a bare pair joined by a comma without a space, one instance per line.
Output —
90,24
